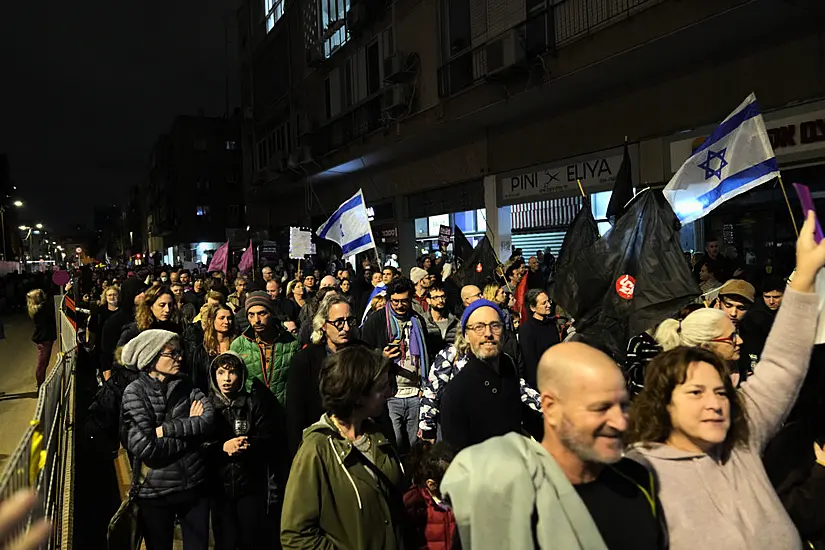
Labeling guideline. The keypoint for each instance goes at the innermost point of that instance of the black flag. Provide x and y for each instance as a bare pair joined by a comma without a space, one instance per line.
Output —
583,232
629,280
622,190
462,249
479,267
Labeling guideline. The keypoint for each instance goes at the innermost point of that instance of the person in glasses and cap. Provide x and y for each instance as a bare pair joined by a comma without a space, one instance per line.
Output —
333,329
163,423
484,398
735,299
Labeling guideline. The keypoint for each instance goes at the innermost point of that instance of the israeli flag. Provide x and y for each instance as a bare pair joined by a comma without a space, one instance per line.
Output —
349,226
734,159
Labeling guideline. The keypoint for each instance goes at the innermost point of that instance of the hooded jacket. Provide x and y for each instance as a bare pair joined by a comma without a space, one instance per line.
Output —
532,504
172,463
245,414
334,499
434,330
433,524
274,377
728,502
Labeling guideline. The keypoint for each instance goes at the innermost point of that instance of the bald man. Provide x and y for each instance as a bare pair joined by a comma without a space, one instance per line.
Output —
583,401
470,294
328,281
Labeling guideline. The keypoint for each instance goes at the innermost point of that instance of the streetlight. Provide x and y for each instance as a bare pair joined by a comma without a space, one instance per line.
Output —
18,204
39,226
23,227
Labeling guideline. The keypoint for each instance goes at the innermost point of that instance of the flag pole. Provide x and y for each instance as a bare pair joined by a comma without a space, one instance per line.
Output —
581,189
788,204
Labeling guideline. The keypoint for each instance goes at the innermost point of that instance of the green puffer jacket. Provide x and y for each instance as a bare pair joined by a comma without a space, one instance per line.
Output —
332,499
275,379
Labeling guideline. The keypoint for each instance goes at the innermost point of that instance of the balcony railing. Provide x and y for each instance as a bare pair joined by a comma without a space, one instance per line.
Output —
353,124
550,27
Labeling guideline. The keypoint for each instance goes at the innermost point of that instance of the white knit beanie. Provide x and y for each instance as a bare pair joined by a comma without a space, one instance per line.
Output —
142,350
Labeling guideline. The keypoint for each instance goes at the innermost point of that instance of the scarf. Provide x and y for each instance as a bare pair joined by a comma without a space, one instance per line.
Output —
418,350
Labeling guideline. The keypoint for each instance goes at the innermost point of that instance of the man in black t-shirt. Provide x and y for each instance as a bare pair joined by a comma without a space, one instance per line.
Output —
584,401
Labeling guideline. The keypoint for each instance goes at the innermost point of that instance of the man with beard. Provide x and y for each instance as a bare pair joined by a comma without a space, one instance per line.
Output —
442,325
484,399
332,330
572,490
265,347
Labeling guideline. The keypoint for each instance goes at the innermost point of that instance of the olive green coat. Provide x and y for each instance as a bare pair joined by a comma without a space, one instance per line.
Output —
334,501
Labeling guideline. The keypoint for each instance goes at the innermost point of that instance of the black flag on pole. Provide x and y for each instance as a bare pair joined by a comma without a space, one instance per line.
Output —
622,190
479,267
629,280
583,232
462,249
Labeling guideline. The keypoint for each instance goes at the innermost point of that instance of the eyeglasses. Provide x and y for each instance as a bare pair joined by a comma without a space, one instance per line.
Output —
400,302
438,297
481,328
174,354
339,323
728,339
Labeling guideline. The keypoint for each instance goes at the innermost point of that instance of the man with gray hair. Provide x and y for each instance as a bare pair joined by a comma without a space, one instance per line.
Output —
332,329
572,490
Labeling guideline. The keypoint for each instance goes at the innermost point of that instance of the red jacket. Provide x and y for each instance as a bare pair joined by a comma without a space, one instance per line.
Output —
433,526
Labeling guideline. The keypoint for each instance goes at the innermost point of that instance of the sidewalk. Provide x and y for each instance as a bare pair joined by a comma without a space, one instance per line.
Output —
18,397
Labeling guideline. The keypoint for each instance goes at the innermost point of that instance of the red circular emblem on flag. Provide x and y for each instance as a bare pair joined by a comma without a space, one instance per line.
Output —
625,285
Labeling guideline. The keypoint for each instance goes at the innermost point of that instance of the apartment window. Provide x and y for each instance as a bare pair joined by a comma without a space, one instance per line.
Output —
233,212
202,210
273,10
231,145
333,20
202,184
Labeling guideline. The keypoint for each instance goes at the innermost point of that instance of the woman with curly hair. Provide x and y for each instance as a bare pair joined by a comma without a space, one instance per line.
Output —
202,346
704,439
157,311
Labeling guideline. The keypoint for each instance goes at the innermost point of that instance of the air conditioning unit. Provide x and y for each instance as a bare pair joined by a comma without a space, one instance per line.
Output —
504,52
394,66
395,97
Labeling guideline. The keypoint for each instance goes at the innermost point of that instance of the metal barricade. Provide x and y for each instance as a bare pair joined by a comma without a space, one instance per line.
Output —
44,458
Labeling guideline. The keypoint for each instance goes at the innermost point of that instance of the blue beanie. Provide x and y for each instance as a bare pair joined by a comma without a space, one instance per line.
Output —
474,306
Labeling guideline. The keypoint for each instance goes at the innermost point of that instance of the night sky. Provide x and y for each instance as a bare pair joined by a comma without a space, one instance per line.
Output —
88,86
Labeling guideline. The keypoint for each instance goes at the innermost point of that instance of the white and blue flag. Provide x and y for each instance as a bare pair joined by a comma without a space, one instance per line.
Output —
349,226
734,159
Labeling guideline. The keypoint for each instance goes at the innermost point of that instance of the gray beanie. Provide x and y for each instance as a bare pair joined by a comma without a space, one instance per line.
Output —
143,349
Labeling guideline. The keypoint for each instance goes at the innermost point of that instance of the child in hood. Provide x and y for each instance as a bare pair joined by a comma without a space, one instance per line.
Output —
432,522
238,455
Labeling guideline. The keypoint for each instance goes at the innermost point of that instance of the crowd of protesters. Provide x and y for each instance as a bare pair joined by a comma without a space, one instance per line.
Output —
361,408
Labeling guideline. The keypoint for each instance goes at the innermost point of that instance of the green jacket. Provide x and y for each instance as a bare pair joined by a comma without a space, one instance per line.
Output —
275,379
332,499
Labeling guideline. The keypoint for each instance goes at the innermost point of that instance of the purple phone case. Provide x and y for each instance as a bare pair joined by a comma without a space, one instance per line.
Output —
808,204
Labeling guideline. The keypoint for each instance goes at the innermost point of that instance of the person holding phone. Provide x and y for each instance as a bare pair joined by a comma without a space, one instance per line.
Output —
401,335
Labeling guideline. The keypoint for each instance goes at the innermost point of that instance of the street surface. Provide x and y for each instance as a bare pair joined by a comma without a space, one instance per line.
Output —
18,397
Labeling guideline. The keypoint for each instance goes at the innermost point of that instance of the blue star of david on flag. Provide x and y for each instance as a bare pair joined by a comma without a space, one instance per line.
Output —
738,153
349,226
707,166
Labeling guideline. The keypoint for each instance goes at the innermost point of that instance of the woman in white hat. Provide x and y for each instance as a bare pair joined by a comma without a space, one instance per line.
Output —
164,419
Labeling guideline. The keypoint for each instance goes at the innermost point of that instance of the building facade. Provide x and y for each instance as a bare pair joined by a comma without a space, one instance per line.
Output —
487,113
194,196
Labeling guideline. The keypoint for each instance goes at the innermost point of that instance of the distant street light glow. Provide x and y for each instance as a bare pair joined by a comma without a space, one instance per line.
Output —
18,204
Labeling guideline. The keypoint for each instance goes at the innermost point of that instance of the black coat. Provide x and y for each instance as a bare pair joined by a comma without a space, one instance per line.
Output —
536,337
244,473
754,329
110,335
131,330
45,326
196,357
304,405
482,402
102,418
374,333
175,461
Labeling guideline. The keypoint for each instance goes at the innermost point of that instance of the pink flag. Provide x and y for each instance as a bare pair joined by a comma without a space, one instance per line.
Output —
248,258
219,260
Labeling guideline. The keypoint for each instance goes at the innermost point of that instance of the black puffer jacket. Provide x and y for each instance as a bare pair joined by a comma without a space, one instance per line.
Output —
196,356
246,472
175,461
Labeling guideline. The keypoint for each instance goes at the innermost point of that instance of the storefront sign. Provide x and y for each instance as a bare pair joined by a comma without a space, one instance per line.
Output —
445,233
788,135
596,173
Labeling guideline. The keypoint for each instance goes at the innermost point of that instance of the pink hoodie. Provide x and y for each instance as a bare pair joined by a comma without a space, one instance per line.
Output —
732,506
